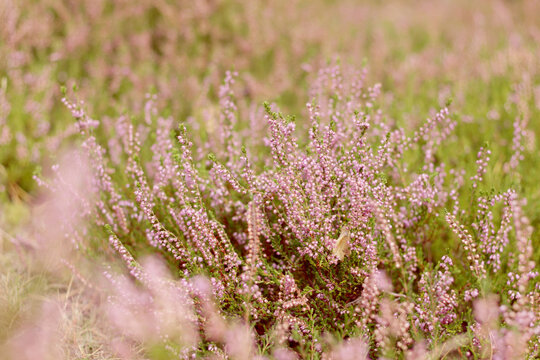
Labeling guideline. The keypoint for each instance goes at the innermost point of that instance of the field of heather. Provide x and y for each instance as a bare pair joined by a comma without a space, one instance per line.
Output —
285,179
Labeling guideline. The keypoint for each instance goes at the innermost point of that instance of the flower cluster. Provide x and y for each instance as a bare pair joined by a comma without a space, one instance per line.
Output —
332,230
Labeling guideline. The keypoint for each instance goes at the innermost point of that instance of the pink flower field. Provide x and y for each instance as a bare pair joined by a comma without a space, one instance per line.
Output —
227,179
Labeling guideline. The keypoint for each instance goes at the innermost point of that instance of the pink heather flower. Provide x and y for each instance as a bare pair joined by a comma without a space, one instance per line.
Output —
470,294
469,246
438,300
242,219
520,128
352,349
482,162
152,313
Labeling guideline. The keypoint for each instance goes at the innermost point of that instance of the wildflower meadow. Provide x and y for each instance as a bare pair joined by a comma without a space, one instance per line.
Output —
228,179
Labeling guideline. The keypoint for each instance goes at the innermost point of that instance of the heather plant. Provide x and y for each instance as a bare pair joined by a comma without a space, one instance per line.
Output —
387,210
330,236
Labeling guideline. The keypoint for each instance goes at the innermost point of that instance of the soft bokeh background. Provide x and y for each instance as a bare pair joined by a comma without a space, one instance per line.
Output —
116,52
